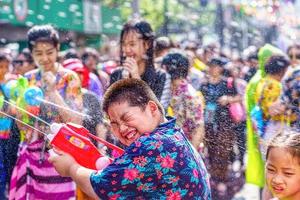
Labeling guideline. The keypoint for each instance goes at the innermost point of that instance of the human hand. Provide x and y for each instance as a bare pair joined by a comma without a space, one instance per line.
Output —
131,66
223,100
62,162
49,81
276,108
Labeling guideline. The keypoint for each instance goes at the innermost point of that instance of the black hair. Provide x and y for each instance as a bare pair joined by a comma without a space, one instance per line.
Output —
71,53
252,56
162,43
176,64
134,91
294,46
219,61
277,64
89,52
287,138
143,28
42,33
26,53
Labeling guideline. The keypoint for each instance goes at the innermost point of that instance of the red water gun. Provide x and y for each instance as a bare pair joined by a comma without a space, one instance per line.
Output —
75,140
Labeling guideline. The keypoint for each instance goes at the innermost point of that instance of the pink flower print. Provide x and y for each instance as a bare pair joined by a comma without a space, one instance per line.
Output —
173,195
131,174
167,162
114,197
195,172
138,144
141,161
159,174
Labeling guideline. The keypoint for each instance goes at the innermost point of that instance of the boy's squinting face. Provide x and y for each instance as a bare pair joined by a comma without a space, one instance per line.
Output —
128,123
283,174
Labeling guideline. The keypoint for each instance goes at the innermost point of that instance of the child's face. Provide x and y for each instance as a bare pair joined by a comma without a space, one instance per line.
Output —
45,55
134,46
128,123
283,174
3,67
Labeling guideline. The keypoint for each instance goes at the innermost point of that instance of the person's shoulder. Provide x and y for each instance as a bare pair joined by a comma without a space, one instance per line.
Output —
32,73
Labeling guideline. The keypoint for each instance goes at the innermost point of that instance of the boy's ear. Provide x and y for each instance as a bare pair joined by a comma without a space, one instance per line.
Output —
153,106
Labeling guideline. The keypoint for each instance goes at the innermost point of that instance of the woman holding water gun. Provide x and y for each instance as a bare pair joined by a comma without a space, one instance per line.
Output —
61,87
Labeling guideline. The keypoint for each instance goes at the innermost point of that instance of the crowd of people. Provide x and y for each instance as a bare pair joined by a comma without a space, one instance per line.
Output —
194,122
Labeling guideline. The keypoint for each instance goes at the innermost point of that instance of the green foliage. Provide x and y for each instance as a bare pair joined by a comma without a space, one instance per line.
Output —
179,11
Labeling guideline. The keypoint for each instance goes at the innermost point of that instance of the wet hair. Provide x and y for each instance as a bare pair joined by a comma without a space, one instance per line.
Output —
134,91
176,64
26,53
289,139
42,33
277,64
147,34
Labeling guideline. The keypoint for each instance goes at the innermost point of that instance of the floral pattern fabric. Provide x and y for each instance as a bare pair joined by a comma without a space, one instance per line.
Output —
68,86
187,105
159,165
268,90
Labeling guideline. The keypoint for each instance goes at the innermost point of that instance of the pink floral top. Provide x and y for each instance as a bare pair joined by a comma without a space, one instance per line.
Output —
68,85
187,105
159,165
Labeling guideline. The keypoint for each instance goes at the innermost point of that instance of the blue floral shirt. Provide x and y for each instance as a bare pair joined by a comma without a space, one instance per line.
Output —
159,165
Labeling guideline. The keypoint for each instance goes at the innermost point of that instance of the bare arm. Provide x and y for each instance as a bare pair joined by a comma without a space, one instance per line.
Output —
81,177
67,114
198,136
66,166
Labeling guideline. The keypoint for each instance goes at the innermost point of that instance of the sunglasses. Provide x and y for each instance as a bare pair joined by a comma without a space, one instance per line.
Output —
19,62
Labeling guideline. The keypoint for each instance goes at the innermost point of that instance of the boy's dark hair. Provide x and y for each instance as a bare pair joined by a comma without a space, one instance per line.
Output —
176,64
276,64
289,139
42,33
147,34
134,91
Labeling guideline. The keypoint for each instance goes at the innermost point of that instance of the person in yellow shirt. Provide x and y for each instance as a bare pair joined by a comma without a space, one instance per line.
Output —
268,91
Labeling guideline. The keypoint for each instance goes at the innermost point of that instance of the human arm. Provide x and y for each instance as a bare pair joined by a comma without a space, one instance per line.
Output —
66,166
51,91
166,93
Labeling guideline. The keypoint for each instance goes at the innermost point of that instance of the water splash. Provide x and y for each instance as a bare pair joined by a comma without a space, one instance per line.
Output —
63,107
18,120
32,115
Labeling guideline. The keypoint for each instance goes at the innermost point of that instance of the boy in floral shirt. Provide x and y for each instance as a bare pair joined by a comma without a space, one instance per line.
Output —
159,162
